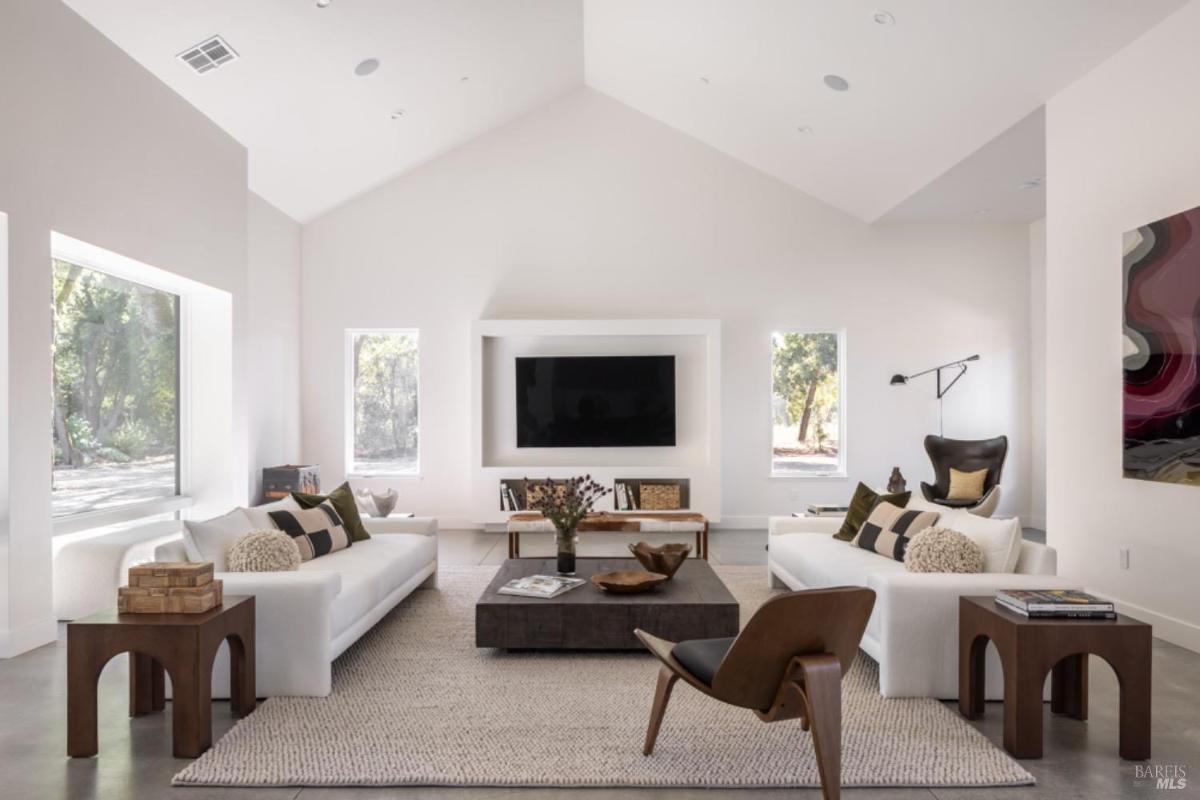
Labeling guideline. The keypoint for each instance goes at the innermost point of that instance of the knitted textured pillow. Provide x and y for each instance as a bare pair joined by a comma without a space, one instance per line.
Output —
942,550
263,551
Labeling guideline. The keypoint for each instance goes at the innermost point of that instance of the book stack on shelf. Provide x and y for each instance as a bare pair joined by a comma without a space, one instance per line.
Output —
1055,604
624,497
819,510
508,499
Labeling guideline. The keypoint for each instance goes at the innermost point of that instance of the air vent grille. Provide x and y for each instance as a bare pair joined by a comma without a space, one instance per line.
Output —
208,55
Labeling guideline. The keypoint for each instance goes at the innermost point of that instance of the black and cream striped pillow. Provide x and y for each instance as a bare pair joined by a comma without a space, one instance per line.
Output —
316,531
889,527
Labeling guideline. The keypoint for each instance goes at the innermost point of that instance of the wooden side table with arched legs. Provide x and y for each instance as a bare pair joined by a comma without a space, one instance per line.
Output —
181,645
1031,648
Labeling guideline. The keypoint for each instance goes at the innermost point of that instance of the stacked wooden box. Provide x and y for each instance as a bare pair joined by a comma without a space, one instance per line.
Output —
169,587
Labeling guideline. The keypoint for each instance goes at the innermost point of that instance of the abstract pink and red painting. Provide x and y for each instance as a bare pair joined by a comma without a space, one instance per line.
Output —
1162,350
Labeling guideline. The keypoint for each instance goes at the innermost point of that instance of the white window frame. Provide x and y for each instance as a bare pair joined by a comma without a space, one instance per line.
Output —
840,473
348,405
65,248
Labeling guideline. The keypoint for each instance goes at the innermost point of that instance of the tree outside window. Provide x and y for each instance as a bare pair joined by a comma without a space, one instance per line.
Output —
806,404
384,401
115,426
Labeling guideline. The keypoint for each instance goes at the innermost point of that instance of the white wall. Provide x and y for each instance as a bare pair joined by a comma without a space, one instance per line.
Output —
1037,374
96,148
590,209
272,339
1121,151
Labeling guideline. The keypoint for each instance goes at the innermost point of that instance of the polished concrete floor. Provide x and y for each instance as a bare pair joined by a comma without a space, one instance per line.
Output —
135,755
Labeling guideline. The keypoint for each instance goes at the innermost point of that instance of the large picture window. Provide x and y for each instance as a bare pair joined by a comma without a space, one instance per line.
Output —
807,416
383,433
115,427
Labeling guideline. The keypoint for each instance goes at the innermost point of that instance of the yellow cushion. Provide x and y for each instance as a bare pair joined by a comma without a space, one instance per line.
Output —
966,485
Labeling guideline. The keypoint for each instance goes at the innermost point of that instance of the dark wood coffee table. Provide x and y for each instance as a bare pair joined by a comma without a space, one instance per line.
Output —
694,604
1030,648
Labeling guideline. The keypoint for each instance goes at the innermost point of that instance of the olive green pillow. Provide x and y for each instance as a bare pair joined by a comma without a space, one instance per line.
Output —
342,499
862,504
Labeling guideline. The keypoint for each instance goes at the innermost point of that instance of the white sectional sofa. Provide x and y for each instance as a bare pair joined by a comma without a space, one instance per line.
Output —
307,618
913,630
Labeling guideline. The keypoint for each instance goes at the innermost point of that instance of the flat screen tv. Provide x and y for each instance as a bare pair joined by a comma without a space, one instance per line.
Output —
596,401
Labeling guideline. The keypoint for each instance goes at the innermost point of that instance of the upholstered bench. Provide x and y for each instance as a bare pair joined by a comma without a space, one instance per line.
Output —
615,522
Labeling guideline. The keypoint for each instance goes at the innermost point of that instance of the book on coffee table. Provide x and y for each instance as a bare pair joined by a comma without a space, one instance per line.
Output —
541,586
1061,603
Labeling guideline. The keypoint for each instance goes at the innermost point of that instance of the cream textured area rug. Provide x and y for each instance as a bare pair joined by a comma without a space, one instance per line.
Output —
415,703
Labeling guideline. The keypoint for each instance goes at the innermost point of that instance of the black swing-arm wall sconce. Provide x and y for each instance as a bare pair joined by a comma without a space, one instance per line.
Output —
960,364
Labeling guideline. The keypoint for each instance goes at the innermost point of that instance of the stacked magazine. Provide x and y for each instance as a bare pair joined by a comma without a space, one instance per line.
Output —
1055,603
542,586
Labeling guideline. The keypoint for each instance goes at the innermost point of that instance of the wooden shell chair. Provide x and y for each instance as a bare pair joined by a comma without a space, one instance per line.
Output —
787,663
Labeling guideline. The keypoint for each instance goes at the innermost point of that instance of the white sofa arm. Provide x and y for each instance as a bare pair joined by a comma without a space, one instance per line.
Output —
173,550
916,627
291,630
426,526
780,526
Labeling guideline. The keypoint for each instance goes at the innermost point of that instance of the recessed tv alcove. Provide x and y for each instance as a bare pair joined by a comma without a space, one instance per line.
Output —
656,368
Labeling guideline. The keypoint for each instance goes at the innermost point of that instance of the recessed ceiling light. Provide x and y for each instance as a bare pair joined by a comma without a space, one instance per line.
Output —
323,3
366,67
837,83
464,79
1035,183
804,130
398,113
882,17
704,80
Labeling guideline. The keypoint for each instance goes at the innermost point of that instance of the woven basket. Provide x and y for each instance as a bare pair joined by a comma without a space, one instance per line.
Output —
536,490
660,496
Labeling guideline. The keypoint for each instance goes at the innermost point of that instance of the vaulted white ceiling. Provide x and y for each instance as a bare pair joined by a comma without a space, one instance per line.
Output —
317,133
937,82
1003,181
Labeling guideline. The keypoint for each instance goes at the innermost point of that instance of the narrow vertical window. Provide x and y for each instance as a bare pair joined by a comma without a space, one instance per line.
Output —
115,425
807,417
383,434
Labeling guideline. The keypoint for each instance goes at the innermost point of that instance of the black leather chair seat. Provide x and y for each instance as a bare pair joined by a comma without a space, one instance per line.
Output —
941,501
701,657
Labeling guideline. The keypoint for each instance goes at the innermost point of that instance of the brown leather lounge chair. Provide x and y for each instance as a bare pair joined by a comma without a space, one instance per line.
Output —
787,663
967,456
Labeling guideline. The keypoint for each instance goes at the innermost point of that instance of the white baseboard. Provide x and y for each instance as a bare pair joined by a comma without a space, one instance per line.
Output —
746,522
22,640
1169,629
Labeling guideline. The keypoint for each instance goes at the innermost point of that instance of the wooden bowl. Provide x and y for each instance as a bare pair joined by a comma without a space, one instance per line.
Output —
665,560
628,581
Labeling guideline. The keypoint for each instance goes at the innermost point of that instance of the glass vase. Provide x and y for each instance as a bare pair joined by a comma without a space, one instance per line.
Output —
565,542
